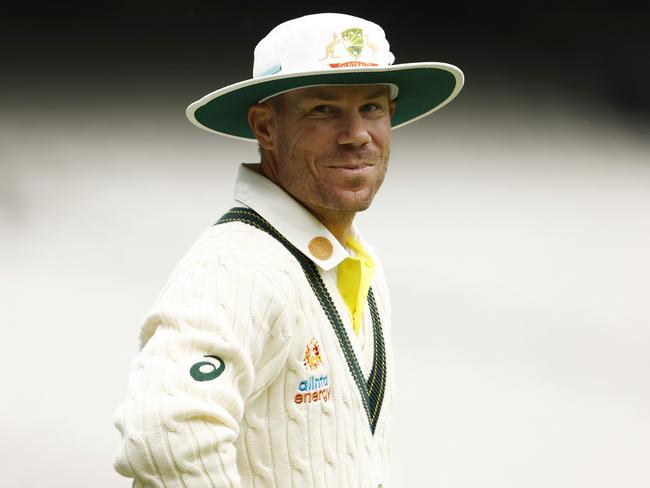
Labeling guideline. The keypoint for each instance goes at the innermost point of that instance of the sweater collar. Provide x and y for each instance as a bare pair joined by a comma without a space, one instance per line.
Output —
299,226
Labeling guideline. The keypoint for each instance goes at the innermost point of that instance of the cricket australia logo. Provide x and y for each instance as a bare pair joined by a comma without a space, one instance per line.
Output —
312,355
353,41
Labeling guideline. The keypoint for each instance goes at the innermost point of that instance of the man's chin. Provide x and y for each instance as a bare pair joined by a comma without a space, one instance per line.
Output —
350,201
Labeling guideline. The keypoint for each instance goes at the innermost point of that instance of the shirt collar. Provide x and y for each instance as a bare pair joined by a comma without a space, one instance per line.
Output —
288,216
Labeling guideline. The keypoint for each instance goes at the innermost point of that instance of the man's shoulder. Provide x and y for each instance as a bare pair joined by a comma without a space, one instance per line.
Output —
228,266
235,249
246,245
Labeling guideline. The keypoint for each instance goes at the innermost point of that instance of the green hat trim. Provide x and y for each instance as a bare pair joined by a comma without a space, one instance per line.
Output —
422,89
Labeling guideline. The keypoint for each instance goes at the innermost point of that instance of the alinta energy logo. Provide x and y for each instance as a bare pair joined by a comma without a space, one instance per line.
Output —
316,387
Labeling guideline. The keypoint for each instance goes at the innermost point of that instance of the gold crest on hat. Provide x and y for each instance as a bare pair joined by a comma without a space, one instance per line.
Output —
353,41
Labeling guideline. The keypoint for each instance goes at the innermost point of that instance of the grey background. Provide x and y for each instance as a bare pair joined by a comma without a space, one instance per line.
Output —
513,224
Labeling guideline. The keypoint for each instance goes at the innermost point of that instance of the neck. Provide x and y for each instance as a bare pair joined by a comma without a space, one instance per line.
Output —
337,222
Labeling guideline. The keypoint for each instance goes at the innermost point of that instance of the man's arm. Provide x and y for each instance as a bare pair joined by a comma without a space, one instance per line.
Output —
216,337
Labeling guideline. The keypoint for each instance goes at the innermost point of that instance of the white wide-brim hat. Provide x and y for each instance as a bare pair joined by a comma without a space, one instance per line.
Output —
327,49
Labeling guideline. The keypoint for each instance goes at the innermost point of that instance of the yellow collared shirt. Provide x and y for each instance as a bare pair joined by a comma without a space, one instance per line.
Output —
354,278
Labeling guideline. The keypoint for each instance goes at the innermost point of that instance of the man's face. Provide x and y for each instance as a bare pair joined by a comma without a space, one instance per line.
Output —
331,144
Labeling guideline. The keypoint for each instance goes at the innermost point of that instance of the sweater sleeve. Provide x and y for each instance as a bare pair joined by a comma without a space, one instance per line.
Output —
216,337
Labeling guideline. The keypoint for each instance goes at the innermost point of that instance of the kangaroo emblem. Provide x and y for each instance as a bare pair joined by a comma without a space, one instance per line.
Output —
329,49
373,47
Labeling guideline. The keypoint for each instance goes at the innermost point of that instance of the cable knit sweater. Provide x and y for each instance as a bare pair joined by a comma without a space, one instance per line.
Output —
241,380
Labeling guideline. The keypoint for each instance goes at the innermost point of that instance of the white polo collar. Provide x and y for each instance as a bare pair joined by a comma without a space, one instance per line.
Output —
289,217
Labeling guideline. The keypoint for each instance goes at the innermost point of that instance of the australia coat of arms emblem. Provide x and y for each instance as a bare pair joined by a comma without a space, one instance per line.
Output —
353,41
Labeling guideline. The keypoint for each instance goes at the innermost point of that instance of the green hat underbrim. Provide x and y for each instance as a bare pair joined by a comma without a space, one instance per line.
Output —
423,88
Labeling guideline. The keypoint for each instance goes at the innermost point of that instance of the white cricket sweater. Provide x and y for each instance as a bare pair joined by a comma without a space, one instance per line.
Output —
241,381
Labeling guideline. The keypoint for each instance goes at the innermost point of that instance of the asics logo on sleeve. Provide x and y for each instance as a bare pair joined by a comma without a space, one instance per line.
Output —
207,370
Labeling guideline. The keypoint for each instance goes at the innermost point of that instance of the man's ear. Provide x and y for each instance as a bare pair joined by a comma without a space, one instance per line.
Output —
260,120
392,105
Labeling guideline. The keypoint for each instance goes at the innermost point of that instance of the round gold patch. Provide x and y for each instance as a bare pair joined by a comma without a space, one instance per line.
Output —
321,248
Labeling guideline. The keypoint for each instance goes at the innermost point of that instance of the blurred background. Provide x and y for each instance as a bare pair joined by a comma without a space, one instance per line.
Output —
521,306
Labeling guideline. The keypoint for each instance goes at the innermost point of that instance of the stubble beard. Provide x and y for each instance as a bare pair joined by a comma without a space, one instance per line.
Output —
303,187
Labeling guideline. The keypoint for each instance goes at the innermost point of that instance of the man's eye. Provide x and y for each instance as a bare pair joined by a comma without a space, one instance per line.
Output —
322,109
371,107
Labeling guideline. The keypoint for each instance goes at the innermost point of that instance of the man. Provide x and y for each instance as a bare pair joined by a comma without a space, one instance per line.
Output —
266,360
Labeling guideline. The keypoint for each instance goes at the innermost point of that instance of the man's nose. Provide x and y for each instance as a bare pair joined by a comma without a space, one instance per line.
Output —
353,130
